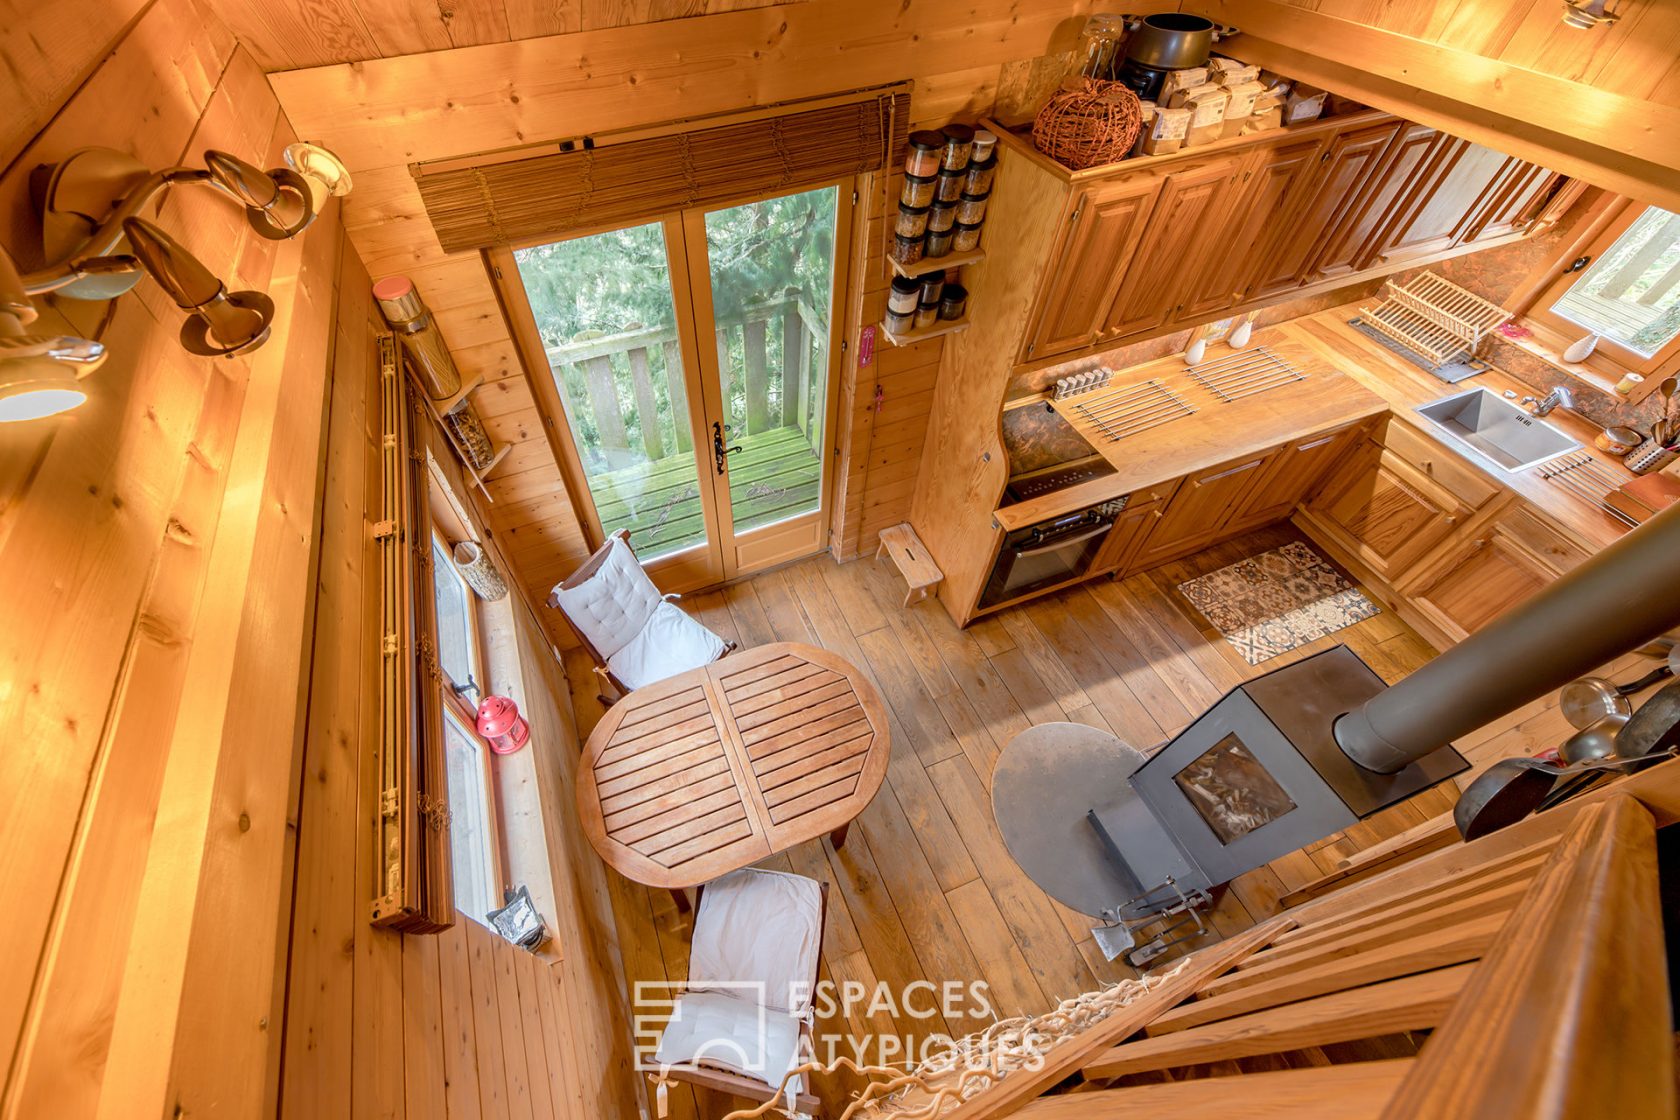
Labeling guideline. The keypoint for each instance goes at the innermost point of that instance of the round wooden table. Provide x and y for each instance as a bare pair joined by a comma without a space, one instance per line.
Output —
721,766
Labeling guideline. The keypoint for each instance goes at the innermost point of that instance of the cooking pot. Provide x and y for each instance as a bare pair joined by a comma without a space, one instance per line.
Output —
1170,41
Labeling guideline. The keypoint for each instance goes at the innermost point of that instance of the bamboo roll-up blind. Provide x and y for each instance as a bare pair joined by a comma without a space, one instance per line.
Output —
615,185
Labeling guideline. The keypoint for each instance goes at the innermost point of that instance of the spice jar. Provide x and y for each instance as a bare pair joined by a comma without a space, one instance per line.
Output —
898,322
971,209
941,217
959,142
938,243
950,186
931,286
922,158
926,316
907,250
964,239
912,220
954,302
984,142
918,190
978,178
904,295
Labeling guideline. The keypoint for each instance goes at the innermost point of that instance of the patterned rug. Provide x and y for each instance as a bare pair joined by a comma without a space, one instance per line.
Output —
1271,603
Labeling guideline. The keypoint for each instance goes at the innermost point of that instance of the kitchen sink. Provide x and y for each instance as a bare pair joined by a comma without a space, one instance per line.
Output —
1497,429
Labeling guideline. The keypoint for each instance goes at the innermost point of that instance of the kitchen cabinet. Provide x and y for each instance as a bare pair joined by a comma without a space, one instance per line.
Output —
1386,512
1273,187
1519,194
1185,225
1125,538
1435,210
1199,513
1290,473
1479,581
1103,232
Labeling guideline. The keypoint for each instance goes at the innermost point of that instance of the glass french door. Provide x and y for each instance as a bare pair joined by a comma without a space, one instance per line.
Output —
693,361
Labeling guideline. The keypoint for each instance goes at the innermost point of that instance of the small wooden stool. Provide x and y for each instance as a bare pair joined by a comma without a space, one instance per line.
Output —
911,557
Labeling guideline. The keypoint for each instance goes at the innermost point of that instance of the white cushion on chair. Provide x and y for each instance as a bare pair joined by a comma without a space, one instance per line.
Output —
669,643
733,1033
757,925
612,606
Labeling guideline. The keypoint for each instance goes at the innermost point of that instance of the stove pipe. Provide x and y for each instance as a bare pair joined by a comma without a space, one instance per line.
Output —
1620,599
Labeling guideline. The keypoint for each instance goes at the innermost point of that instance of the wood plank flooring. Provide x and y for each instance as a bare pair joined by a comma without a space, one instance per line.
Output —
924,888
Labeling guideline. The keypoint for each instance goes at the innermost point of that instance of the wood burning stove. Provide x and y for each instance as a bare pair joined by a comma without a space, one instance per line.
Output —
1256,776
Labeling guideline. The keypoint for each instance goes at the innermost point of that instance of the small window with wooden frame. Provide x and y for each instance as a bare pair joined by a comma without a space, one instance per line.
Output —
1620,281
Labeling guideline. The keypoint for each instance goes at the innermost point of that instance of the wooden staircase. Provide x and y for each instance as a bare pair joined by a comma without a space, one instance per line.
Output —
1523,975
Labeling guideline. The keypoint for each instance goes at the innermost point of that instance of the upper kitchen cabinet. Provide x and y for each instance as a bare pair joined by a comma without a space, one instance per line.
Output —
1103,231
1155,243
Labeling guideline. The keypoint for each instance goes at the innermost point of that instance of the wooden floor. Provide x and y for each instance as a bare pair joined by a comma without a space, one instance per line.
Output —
775,474
924,888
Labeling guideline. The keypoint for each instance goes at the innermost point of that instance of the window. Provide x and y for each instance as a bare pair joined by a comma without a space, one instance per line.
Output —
474,838
1628,293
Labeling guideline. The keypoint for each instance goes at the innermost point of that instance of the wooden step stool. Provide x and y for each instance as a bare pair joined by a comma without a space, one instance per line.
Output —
912,559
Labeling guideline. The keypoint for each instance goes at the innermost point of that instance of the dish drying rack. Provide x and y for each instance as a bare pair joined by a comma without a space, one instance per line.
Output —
1117,413
1434,318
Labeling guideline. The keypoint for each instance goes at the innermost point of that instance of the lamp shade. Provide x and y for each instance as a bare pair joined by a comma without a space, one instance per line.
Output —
501,724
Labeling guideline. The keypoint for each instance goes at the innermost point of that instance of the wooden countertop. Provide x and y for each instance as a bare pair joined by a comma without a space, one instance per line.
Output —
1348,378
1218,432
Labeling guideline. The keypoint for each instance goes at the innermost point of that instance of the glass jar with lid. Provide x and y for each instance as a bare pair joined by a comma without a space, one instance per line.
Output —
1100,46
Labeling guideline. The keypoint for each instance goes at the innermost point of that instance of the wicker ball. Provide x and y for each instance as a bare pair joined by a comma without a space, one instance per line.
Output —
1096,123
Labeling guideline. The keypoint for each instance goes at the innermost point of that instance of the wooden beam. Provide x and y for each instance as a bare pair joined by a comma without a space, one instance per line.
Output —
1608,139
1346,1092
1567,1015
477,99
1409,1004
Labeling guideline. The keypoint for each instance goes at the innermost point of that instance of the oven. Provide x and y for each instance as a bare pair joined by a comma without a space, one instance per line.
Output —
1051,552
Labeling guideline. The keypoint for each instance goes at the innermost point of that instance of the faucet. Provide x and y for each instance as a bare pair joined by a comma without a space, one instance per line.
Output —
1543,406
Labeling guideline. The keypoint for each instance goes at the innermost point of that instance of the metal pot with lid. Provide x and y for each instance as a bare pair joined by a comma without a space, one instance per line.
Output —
1170,41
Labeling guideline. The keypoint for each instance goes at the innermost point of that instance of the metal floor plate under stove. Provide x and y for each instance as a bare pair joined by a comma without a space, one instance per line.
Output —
1586,477
1244,374
1130,409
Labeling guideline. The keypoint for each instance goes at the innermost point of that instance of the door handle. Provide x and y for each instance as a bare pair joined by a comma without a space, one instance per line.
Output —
720,453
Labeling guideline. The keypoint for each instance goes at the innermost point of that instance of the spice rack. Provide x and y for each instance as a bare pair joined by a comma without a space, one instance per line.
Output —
910,338
937,264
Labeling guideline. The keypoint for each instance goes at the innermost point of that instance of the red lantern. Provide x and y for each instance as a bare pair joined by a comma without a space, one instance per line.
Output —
501,724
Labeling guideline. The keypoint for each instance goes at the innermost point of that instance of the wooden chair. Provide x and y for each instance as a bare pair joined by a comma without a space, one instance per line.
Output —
757,936
634,635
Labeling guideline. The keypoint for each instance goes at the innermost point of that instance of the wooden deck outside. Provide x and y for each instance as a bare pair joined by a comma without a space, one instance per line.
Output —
774,475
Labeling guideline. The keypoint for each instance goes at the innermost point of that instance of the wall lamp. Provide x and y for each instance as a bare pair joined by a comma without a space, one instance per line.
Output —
1587,14
100,246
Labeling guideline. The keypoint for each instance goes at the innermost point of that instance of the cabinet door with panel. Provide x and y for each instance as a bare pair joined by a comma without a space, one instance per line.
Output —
1491,574
1431,218
1388,513
1122,543
1347,246
1104,229
1346,166
1186,223
1292,473
1517,198
1199,513
1271,188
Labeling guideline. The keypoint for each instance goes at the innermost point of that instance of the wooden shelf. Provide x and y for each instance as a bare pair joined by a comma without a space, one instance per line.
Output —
910,338
937,264
450,404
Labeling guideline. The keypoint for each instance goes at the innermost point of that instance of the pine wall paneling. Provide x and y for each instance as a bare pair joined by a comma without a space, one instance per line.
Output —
381,115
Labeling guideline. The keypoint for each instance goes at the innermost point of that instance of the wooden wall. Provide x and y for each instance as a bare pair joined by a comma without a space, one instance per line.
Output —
382,115
461,1025
156,547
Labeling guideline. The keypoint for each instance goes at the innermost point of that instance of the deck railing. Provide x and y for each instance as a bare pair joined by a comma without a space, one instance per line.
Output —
612,386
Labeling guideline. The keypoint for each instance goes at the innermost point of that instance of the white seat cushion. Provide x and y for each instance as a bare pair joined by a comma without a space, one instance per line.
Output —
612,606
669,643
719,1029
763,926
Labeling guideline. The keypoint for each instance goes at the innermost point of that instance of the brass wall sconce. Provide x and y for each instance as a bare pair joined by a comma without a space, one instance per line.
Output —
99,244
1585,15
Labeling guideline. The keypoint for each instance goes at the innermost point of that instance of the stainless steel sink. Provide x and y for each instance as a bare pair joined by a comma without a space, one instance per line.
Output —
1496,429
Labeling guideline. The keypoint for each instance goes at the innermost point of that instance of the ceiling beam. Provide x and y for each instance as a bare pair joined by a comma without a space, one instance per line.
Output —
392,111
1623,143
